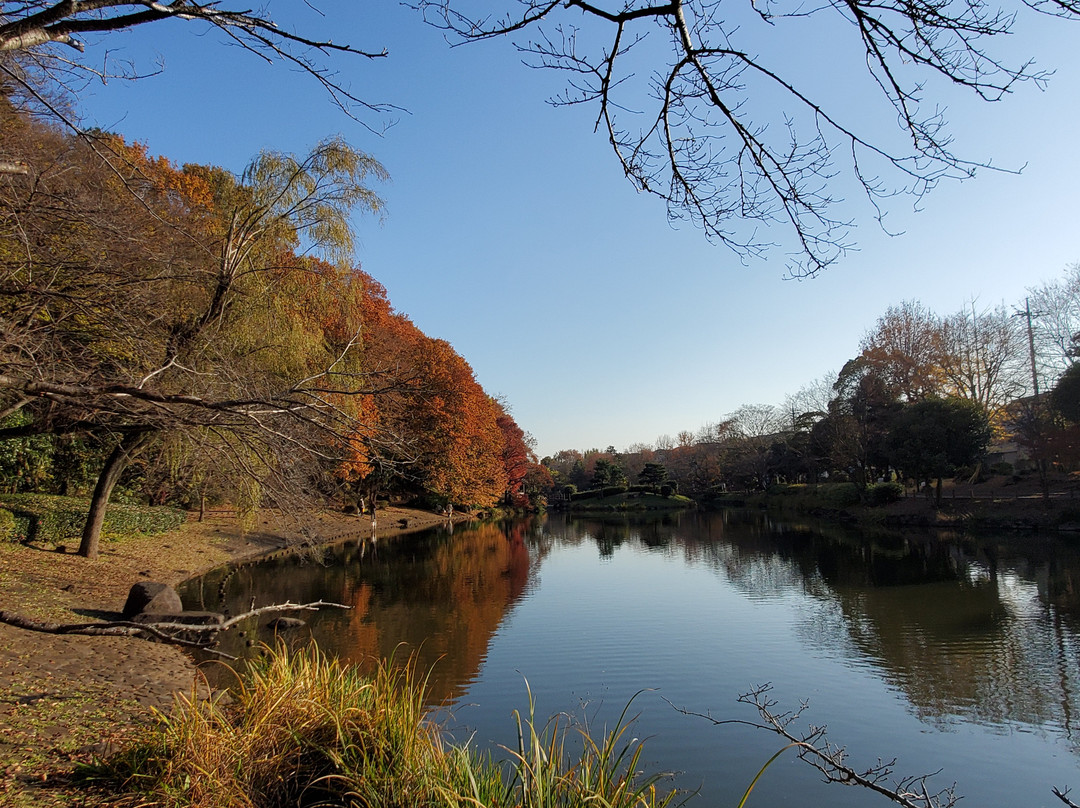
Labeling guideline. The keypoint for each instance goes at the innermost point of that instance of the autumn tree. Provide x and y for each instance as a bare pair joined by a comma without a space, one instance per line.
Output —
165,300
904,349
517,455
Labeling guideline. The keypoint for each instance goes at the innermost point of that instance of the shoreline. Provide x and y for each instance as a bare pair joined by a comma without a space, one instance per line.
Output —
67,699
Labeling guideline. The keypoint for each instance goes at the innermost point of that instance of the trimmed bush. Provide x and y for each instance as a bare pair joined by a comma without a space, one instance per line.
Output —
839,495
49,518
884,493
8,529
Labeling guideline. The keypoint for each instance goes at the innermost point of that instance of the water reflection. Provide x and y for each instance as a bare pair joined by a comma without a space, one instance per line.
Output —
439,596
981,630
969,630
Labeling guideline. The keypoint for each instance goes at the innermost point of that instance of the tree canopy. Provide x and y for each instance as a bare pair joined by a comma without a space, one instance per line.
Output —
216,324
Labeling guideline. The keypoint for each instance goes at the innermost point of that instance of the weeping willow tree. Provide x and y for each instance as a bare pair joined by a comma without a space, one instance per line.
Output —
214,308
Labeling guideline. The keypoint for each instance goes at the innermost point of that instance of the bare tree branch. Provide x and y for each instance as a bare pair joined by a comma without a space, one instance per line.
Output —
815,748
694,138
171,633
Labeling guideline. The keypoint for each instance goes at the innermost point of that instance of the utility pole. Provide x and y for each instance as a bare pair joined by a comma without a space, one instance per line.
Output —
1031,348
1037,425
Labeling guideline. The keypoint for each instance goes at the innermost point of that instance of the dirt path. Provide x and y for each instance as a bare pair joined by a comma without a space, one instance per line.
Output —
64,700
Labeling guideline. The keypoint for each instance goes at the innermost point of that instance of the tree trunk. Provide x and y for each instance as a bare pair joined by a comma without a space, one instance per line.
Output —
110,473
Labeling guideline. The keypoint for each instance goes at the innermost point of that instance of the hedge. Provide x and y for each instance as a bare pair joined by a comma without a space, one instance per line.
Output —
884,493
39,517
7,525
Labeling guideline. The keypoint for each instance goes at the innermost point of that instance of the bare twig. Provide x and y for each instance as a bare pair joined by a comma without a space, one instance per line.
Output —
910,791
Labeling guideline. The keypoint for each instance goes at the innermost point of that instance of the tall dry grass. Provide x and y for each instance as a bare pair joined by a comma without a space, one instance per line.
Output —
305,730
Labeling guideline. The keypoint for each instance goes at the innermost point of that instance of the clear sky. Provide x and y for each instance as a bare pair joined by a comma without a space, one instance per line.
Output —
512,234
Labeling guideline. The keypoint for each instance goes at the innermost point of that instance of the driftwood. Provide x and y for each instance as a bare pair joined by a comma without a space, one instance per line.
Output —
172,633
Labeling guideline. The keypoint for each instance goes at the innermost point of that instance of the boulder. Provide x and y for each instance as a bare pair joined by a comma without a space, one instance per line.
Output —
148,597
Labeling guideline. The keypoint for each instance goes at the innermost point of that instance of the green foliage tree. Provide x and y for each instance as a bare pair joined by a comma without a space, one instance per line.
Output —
1065,397
931,438
653,474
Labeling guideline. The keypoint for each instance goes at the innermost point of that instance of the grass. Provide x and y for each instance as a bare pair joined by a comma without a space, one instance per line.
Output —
49,518
305,730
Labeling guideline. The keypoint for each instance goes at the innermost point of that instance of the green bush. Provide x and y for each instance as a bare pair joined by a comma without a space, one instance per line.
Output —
839,495
666,490
8,527
49,518
1004,469
884,493
594,493
787,490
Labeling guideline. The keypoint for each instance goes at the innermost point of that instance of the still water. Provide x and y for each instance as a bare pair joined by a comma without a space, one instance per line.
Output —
958,654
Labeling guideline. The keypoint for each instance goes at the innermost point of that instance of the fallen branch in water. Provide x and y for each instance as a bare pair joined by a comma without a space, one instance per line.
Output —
166,632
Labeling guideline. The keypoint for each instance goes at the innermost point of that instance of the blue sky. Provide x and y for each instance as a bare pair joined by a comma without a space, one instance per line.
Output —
511,233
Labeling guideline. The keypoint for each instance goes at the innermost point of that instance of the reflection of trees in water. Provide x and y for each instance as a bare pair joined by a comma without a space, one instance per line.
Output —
443,605
988,650
983,629
439,596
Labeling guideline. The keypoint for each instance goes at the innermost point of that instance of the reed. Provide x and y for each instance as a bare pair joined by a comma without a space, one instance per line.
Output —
304,730
604,772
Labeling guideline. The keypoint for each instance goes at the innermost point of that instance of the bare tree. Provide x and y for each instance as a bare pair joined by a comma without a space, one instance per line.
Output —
691,133
984,356
46,43
201,631
1055,313
754,429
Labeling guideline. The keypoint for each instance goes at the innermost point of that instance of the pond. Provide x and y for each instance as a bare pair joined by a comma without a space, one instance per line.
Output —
953,654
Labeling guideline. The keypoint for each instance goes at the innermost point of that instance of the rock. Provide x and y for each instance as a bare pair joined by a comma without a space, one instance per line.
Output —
151,597
285,623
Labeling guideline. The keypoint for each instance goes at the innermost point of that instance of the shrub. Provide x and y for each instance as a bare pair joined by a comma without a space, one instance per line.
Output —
884,493
8,529
839,495
594,493
787,490
1004,469
666,490
52,519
